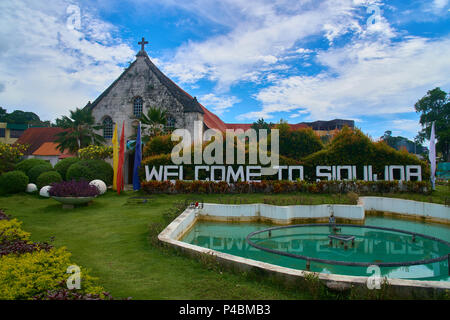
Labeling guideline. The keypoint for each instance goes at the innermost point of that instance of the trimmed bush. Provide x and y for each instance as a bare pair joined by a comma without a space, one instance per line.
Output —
36,171
27,164
63,165
47,178
13,182
91,170
353,147
30,274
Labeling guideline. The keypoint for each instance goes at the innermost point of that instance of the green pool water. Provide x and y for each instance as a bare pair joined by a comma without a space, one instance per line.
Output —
371,245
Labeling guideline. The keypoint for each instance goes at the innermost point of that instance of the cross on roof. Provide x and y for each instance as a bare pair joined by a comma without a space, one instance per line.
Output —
143,43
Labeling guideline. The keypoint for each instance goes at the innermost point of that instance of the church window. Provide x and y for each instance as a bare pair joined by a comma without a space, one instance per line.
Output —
137,108
107,128
170,123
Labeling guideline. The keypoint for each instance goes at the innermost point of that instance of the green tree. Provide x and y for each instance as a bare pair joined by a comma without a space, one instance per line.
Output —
3,114
19,117
80,131
435,107
297,144
261,124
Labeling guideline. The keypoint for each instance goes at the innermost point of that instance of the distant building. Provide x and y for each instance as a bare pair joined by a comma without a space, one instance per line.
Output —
9,133
324,128
42,144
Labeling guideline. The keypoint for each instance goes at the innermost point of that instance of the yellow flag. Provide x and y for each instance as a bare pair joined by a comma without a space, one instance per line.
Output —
115,144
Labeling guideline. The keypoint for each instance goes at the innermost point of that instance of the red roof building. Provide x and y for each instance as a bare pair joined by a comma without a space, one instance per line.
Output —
36,137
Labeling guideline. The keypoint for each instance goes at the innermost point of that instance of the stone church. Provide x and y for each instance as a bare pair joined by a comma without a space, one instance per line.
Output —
141,86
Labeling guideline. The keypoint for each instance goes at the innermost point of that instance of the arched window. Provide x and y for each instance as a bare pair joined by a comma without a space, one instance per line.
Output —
170,123
108,128
137,107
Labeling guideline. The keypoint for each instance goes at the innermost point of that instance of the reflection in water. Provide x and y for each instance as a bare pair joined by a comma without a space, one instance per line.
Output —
369,246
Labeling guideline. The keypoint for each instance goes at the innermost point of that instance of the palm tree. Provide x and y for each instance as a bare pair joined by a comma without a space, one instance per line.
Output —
153,123
79,131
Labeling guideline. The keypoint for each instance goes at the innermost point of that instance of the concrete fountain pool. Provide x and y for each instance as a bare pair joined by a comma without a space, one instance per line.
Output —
412,254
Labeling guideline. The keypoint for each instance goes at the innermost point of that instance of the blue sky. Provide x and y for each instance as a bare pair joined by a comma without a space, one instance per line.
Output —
307,60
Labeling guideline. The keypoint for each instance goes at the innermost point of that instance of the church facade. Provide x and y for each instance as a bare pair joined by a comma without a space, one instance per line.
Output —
141,86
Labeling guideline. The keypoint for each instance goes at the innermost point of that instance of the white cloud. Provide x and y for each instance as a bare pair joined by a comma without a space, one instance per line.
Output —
363,79
218,104
440,4
46,66
261,34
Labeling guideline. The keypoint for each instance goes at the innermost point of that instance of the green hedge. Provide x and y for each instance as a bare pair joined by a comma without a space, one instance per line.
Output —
13,182
189,169
36,171
63,165
47,178
27,164
352,147
91,170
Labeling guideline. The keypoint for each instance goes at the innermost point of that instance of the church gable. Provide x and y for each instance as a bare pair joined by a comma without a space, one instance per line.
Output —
141,86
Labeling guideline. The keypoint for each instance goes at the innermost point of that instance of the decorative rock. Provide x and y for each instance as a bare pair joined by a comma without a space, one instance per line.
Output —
31,188
44,192
101,186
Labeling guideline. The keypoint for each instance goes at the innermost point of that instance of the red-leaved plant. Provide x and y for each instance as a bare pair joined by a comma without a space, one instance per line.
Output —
73,188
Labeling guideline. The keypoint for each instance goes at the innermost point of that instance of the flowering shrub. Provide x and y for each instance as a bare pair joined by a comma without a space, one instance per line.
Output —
95,153
9,155
10,230
332,187
73,189
27,275
37,270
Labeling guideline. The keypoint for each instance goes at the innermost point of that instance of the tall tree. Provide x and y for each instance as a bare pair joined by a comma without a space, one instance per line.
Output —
80,131
435,106
3,114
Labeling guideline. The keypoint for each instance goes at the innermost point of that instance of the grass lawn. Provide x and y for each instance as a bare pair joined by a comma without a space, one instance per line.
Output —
110,238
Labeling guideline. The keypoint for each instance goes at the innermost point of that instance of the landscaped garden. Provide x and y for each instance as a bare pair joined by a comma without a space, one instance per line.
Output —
114,238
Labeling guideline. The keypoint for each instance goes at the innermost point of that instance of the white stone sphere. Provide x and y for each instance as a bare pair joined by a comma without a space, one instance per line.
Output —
44,192
31,188
101,186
